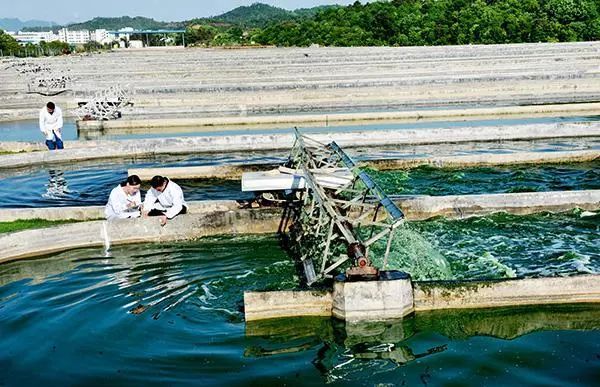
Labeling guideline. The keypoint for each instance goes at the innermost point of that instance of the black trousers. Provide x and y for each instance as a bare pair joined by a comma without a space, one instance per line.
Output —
155,212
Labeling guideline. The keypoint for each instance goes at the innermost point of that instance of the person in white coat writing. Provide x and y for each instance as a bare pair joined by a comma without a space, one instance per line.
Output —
51,123
125,200
164,199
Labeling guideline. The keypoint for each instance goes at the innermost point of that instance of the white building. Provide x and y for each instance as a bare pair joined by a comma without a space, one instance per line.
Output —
74,37
34,37
101,36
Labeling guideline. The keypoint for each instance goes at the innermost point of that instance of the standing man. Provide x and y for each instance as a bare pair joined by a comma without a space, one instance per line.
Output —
164,199
51,123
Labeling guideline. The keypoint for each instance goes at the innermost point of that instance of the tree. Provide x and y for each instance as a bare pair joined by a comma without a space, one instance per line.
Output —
8,44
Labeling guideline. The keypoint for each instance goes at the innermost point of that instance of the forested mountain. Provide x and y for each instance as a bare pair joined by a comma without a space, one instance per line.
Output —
12,24
255,15
441,22
390,23
259,15
115,23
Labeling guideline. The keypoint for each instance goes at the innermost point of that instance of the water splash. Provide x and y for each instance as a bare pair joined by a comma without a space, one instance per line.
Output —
106,239
412,253
489,264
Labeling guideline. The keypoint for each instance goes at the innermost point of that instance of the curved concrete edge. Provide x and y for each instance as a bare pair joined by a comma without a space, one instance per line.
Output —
31,243
52,213
21,147
513,292
97,212
464,206
378,300
225,172
547,110
417,208
486,159
235,171
286,304
105,149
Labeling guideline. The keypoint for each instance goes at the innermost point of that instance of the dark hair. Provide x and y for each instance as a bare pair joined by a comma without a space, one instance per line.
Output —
50,105
157,181
132,180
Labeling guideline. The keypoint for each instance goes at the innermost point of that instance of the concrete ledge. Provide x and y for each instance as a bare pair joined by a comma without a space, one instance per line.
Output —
227,171
97,212
373,301
337,118
487,294
105,149
415,208
21,146
266,305
31,243
485,159
464,206
235,171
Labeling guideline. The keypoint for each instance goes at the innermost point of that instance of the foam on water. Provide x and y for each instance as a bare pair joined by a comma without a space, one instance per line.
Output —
504,246
412,253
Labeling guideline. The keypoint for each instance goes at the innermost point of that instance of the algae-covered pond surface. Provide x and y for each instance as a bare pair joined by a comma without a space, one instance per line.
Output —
503,245
497,179
171,314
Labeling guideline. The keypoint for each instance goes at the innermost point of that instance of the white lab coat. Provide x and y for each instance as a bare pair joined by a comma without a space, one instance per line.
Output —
51,124
170,200
116,208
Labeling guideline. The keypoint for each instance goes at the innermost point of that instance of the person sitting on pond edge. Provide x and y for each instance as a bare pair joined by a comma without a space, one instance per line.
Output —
164,199
125,200
51,123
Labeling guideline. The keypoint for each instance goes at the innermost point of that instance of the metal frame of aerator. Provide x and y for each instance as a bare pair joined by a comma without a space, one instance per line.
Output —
330,217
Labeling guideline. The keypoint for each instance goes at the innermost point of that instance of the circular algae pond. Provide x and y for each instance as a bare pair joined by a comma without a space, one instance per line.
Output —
172,314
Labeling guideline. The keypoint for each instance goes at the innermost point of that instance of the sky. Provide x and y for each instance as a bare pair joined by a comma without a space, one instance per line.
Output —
68,11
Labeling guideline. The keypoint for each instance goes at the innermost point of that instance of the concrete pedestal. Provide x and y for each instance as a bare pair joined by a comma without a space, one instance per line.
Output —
373,300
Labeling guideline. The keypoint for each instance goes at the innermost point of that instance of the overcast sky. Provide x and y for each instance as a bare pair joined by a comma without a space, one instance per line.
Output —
65,11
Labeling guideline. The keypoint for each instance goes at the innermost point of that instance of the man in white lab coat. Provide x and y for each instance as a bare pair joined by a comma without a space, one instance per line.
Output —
51,123
164,199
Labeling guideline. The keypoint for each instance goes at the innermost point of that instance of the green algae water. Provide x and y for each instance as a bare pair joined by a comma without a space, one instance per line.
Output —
496,246
412,253
171,314
434,181
504,246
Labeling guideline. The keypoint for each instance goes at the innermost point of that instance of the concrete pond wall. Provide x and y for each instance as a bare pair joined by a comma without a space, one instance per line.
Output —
395,299
105,149
91,128
415,208
234,171
203,82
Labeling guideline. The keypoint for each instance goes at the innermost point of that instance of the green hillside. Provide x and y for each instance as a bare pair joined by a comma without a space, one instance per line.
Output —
259,15
441,22
115,23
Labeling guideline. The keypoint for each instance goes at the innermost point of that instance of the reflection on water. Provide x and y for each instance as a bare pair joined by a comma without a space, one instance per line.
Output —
57,187
171,314
345,350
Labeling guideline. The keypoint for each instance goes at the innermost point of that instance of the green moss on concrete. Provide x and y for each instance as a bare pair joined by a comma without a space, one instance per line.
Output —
450,288
20,225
